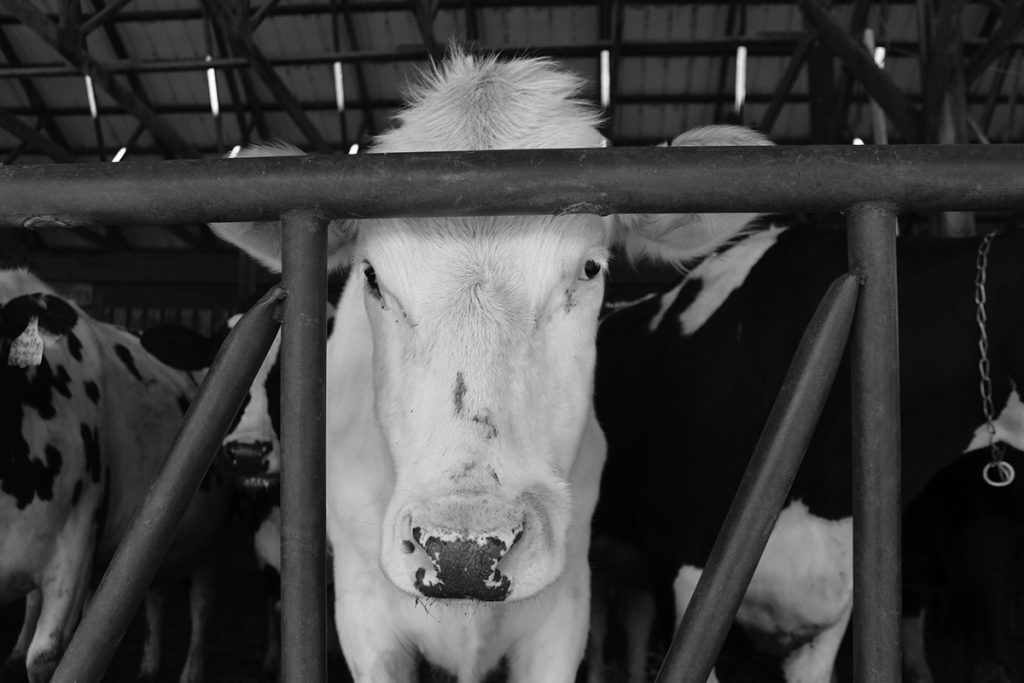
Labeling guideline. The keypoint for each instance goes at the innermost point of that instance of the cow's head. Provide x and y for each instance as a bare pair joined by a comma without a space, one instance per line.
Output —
251,449
483,334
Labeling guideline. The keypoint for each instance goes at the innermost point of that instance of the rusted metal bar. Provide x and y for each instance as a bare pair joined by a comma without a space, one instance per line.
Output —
876,447
303,437
799,178
764,488
145,543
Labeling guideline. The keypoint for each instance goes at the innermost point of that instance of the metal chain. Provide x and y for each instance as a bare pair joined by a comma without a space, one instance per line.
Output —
996,472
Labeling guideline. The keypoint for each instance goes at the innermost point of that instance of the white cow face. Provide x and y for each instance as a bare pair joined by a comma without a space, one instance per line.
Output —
483,339
484,344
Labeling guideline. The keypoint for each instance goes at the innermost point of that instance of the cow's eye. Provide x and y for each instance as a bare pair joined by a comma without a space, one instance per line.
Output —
591,269
371,280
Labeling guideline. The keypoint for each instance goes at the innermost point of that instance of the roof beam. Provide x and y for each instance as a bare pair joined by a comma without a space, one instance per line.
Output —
877,82
30,135
34,98
48,32
425,12
103,16
260,14
786,83
236,29
1010,27
369,122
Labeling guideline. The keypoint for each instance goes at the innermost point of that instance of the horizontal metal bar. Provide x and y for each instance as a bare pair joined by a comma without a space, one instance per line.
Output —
146,542
875,370
764,488
805,178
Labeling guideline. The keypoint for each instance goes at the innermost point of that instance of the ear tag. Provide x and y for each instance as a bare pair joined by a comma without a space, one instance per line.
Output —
27,349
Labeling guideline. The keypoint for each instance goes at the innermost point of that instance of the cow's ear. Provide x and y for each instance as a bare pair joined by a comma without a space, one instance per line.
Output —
179,347
679,237
262,240
34,322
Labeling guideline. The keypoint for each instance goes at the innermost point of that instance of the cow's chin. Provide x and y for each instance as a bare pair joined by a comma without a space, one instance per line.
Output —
476,545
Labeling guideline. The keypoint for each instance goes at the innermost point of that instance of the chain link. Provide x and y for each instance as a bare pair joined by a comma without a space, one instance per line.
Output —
997,472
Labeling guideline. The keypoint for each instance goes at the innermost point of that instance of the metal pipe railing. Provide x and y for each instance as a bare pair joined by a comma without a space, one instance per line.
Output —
763,489
147,539
303,437
877,510
813,178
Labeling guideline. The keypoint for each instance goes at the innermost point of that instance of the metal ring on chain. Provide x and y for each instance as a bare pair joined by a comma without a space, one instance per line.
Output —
1005,473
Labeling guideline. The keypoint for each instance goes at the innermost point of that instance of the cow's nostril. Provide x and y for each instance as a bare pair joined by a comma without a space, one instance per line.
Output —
407,547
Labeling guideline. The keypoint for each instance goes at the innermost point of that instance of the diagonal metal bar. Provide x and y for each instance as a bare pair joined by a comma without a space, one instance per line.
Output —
21,130
259,15
764,488
145,543
47,31
877,82
235,27
102,17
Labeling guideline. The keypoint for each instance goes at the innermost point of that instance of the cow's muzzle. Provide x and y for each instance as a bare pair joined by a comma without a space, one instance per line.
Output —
248,459
465,566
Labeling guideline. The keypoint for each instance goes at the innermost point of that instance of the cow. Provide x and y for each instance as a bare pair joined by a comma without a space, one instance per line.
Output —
963,557
251,452
693,370
463,455
88,416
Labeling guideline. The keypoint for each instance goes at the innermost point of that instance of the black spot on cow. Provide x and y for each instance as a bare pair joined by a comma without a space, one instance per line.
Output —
459,393
76,494
74,345
62,382
570,300
92,390
104,506
24,474
484,420
91,442
126,357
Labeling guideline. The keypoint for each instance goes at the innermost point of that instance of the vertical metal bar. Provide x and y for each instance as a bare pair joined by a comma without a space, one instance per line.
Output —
146,541
764,488
876,447
303,442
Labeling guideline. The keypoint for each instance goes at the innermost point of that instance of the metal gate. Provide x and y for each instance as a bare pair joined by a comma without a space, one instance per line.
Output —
870,184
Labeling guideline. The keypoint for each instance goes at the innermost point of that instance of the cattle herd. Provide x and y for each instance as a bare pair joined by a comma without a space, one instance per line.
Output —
513,464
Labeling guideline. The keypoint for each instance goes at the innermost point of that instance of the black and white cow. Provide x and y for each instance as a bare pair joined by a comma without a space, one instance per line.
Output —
463,452
87,417
251,452
686,379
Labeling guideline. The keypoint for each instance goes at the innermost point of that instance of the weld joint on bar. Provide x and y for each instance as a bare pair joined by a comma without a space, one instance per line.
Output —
880,205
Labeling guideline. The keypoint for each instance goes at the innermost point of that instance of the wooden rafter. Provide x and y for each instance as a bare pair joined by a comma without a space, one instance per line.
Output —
21,130
877,82
48,32
236,28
